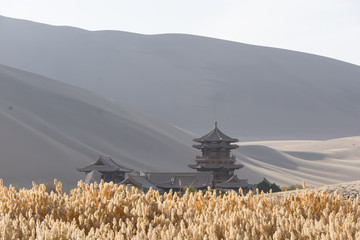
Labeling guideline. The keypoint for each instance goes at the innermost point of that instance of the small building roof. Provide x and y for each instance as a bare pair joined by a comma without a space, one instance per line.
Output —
180,180
139,181
215,136
104,164
233,183
164,180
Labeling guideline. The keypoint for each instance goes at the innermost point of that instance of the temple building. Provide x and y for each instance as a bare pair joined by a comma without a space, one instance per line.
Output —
214,168
165,181
104,168
215,155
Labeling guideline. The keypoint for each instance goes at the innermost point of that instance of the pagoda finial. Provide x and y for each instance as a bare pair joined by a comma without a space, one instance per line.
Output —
215,124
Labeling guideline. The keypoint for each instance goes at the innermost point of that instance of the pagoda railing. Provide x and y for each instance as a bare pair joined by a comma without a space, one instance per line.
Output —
207,159
202,157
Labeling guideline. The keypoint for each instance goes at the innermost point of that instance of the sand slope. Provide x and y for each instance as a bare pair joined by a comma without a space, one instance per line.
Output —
290,162
47,129
258,92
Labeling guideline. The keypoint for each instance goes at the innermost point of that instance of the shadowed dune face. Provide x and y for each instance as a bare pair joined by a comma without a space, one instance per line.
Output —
258,92
48,129
267,155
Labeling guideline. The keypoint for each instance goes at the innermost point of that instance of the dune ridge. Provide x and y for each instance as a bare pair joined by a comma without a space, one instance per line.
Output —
291,162
256,92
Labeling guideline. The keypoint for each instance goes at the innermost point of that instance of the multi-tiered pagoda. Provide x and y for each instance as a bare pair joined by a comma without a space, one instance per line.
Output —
216,155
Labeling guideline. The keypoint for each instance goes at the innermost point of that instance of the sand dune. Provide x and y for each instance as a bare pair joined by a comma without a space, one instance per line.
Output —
290,162
47,129
258,92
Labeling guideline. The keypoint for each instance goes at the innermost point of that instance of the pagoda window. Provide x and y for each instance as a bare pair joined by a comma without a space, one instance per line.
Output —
223,174
213,155
223,154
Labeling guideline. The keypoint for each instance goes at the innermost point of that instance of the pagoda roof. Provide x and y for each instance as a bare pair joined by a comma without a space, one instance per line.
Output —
233,183
104,164
215,136
215,146
215,166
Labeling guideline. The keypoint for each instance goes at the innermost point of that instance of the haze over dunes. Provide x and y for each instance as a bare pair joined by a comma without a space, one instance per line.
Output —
48,129
261,93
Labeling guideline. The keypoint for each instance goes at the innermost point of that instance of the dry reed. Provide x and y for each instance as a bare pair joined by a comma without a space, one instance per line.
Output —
110,211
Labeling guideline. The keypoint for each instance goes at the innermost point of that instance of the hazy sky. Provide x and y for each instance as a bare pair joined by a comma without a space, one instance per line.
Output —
324,27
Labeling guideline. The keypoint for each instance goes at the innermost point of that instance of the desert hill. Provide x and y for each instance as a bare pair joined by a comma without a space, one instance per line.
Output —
47,129
258,92
290,162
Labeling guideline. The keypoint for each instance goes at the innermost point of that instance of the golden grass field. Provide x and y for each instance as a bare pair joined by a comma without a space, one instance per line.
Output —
109,211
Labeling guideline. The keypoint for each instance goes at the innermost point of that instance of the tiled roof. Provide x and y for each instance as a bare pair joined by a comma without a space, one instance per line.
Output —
214,146
174,180
180,180
104,164
233,183
139,181
215,136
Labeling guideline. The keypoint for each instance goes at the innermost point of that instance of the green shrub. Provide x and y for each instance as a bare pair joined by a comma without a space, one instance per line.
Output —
265,186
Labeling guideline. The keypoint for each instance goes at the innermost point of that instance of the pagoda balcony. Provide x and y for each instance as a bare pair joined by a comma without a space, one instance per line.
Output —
201,159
